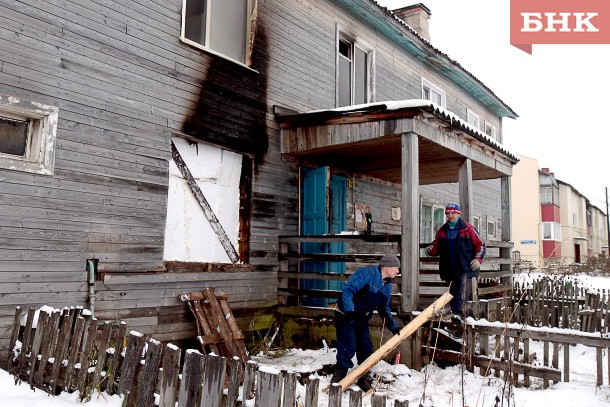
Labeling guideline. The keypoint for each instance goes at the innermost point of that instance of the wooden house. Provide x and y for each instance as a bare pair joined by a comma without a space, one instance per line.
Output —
152,148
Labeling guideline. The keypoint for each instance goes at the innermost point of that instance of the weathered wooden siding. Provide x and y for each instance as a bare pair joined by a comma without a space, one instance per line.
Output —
123,82
301,37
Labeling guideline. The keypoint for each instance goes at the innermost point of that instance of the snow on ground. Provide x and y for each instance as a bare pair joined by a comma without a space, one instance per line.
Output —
433,386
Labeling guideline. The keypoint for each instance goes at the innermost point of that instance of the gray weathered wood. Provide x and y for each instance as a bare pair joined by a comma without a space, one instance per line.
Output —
213,381
65,334
146,392
355,398
49,334
207,209
133,355
192,374
85,357
378,400
102,355
401,403
117,359
268,389
249,380
410,221
311,394
80,327
335,392
466,185
290,387
11,345
170,377
236,369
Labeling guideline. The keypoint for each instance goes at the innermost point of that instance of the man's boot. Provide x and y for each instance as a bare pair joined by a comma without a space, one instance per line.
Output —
365,382
338,374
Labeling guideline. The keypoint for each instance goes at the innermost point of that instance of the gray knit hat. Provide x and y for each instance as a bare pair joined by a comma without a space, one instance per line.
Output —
389,261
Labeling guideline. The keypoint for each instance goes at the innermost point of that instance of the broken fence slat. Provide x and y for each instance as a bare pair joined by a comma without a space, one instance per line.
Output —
43,320
236,369
133,354
334,395
213,381
170,377
290,388
355,398
63,342
268,389
85,359
249,378
117,360
49,334
102,355
26,345
13,340
311,394
146,386
192,374
77,337
378,400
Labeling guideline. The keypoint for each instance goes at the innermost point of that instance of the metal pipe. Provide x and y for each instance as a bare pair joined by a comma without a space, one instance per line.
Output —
91,271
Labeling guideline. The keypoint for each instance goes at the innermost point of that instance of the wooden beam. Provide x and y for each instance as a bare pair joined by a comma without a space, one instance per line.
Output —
506,226
394,341
465,177
207,209
410,222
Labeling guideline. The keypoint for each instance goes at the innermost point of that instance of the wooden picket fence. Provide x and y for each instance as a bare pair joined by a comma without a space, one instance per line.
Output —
558,302
68,351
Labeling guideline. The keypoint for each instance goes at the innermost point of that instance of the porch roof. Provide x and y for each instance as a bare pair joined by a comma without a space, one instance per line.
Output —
366,139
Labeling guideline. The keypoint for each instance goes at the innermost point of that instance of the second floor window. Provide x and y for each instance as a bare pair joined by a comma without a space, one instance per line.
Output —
473,119
221,26
433,93
353,74
551,231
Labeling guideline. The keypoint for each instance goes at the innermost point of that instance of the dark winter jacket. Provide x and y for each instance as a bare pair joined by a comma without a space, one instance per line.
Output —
366,292
469,246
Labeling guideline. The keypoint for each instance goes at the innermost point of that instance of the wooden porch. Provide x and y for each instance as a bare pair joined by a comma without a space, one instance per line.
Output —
407,144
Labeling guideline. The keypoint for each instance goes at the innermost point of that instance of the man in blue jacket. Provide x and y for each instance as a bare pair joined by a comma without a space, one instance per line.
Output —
461,252
369,289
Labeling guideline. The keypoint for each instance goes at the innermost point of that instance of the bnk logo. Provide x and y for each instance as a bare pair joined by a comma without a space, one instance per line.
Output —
559,22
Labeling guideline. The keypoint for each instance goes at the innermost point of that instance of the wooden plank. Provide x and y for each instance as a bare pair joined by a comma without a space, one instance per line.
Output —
80,327
249,379
146,386
117,359
238,336
63,342
213,381
26,346
49,337
269,389
85,357
236,369
102,355
311,393
394,341
219,323
133,352
192,375
43,321
290,388
410,221
10,357
170,377
207,209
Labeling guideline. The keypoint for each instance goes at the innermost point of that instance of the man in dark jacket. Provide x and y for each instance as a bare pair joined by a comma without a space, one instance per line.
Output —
369,289
461,252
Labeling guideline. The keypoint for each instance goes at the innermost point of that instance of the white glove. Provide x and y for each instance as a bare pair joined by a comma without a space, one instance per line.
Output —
429,250
475,264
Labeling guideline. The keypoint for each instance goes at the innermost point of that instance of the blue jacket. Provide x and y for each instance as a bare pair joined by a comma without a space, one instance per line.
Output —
366,292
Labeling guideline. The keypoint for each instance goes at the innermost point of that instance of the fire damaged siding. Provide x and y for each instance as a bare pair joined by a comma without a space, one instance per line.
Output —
122,82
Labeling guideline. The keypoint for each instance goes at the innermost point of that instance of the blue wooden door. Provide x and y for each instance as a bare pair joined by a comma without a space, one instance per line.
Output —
324,203
338,207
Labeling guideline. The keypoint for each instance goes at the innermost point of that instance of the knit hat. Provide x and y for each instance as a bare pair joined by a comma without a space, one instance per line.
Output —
452,206
389,261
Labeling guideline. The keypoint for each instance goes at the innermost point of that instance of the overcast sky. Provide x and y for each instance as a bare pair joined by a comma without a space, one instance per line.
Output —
560,92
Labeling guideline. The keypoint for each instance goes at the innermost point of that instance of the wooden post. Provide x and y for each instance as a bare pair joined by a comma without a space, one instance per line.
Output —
13,340
409,248
213,381
269,389
505,252
146,391
236,368
170,378
465,185
311,394
192,374
290,388
394,341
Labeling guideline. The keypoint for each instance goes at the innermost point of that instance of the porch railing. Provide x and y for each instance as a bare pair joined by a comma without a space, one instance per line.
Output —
494,283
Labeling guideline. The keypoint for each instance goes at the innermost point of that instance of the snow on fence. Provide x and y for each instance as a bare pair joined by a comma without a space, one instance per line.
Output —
64,351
